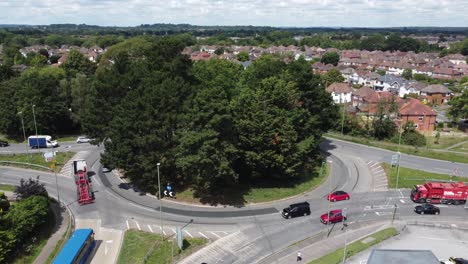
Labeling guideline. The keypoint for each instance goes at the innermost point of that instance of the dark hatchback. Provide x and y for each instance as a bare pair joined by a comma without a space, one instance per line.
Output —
4,143
294,210
427,209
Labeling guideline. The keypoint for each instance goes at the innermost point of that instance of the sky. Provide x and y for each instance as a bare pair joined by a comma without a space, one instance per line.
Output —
278,13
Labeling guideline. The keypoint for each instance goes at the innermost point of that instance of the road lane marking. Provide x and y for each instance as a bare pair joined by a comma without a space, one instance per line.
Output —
454,225
138,226
128,225
173,230
164,232
443,239
377,213
402,201
203,235
151,229
187,232
224,232
376,164
215,234
401,194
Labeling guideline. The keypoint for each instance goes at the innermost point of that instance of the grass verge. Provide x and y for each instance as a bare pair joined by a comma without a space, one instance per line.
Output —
32,250
267,192
410,177
7,187
137,244
352,249
416,151
36,158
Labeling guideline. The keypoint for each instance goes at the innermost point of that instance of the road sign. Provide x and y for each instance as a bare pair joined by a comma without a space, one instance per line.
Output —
395,159
49,156
180,239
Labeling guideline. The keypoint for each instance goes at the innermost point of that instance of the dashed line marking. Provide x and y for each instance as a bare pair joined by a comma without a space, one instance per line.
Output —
128,225
215,234
377,213
224,232
402,201
454,225
151,229
164,232
373,165
173,230
187,232
203,235
138,226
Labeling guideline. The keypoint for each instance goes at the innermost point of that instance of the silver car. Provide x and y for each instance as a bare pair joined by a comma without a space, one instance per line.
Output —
83,139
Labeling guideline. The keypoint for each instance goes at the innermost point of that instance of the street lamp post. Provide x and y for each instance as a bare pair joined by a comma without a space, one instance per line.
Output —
24,135
35,124
345,226
160,203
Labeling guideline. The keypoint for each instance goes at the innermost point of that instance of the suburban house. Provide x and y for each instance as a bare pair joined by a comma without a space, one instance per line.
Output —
370,105
341,92
361,95
436,94
446,73
423,116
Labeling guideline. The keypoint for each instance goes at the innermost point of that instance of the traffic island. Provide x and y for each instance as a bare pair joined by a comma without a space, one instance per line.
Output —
139,245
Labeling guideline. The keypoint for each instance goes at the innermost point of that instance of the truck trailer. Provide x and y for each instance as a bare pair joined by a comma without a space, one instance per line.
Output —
43,141
84,190
440,193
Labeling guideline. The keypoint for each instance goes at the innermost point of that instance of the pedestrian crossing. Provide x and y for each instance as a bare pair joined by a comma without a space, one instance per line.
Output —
67,169
170,230
380,181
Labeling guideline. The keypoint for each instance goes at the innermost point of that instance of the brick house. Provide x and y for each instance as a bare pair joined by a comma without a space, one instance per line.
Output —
423,116
436,94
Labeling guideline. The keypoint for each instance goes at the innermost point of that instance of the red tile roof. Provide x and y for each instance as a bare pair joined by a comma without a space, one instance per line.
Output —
414,107
339,88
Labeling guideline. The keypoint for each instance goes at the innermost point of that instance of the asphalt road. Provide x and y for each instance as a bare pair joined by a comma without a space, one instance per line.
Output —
248,233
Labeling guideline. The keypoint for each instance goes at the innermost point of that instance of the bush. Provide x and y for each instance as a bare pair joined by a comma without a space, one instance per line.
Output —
20,224
413,139
30,188
4,203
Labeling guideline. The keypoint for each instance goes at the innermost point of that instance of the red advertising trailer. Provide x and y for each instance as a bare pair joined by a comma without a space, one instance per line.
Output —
84,191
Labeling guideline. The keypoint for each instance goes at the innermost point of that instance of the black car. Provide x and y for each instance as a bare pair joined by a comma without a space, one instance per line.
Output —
4,143
427,209
298,209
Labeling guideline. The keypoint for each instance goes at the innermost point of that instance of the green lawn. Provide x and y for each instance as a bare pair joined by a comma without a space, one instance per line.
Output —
7,187
409,177
31,251
66,138
352,249
462,148
416,151
137,244
35,158
445,141
266,192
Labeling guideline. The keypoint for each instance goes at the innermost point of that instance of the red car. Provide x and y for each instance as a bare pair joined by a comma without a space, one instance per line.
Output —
335,216
338,196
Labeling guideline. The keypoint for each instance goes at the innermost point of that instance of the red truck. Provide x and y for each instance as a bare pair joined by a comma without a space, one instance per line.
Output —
440,192
84,190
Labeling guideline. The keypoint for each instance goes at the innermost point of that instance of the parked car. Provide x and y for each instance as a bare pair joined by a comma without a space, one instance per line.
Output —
105,169
295,210
333,217
427,209
83,139
4,143
338,196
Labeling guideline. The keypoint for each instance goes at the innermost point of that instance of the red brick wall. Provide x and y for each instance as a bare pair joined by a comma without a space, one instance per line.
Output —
427,123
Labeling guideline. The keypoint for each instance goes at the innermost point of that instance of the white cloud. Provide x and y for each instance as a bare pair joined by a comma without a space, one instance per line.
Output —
300,13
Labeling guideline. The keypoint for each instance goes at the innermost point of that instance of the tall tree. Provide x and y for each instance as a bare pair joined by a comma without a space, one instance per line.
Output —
333,76
459,106
330,58
77,63
407,74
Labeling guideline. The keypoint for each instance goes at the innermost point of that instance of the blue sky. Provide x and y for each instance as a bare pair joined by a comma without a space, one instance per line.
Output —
299,13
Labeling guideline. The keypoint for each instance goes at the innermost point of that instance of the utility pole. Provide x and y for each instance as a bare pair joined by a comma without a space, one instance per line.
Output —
345,227
160,203
24,135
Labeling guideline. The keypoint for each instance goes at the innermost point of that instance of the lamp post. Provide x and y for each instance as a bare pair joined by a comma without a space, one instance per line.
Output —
160,203
399,158
24,135
345,227
35,125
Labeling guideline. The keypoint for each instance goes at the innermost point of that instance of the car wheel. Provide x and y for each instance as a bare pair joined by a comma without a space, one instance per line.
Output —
437,212
347,198
305,214
289,217
422,212
334,200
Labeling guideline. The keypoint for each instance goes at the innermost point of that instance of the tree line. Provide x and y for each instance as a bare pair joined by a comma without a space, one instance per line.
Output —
210,124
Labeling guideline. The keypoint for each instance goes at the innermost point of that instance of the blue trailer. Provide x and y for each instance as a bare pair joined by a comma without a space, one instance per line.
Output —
42,142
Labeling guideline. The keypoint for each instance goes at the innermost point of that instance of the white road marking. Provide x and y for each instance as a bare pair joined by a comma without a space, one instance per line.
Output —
378,171
215,234
187,232
203,235
128,225
381,185
402,201
369,162
377,213
443,239
173,230
138,226
164,232
95,180
151,229
454,225
224,232
401,194
373,165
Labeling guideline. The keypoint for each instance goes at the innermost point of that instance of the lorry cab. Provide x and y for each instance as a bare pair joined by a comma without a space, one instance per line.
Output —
418,194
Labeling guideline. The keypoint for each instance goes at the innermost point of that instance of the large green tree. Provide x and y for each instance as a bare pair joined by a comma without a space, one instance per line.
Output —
333,76
459,106
330,58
